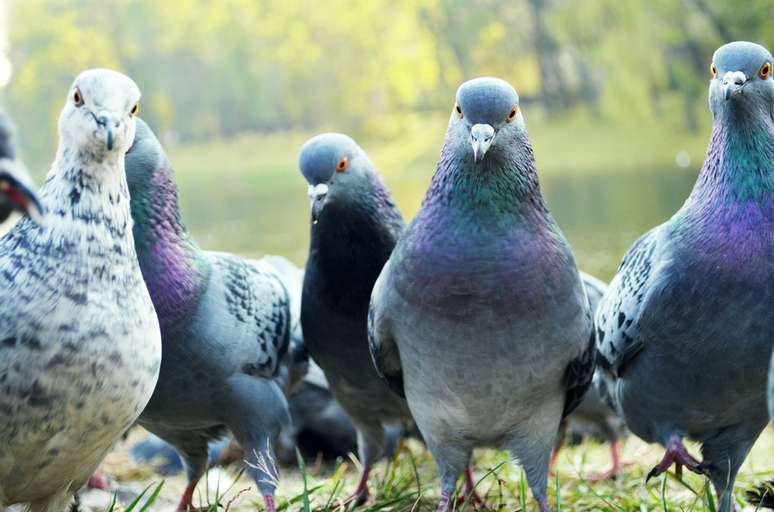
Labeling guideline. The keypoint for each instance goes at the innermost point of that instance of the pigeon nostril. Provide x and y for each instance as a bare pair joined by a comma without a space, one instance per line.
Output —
102,120
738,81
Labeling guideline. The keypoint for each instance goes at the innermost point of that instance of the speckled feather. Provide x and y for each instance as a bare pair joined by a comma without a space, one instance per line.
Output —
79,338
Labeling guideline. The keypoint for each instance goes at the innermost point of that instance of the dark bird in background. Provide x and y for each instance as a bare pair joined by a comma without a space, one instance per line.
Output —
685,330
354,227
80,346
594,417
17,192
225,325
480,316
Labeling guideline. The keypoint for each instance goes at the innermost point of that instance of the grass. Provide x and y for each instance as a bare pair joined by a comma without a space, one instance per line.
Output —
408,482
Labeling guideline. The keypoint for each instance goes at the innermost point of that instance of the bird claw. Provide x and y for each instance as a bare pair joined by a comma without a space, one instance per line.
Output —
676,454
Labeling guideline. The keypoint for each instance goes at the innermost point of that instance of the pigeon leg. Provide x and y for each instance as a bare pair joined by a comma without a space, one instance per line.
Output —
676,453
557,446
615,451
98,480
194,452
469,490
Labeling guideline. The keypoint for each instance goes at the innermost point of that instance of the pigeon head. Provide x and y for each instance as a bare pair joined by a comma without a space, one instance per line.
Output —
485,118
336,169
742,79
144,157
98,117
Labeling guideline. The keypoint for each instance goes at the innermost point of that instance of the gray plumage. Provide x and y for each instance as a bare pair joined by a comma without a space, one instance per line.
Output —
225,325
685,328
480,315
354,228
17,191
79,339
594,417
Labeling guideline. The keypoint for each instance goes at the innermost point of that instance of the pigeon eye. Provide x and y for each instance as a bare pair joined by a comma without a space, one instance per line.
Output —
135,109
77,98
458,110
714,70
342,165
512,115
765,70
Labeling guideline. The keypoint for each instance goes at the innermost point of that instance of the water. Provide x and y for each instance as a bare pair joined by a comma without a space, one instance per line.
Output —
601,214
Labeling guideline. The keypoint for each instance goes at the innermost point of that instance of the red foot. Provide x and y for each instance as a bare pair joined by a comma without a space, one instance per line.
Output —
676,453
360,495
268,503
186,501
552,462
98,481
469,491
613,472
444,505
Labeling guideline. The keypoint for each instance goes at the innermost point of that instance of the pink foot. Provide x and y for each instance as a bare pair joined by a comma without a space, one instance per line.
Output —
552,462
268,503
444,505
186,500
98,481
676,453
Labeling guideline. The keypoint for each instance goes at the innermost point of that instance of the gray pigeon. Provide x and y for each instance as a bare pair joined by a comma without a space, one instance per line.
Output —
685,329
480,316
354,228
594,417
79,337
17,192
225,325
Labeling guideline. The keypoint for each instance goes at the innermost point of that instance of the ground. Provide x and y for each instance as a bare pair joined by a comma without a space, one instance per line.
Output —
409,483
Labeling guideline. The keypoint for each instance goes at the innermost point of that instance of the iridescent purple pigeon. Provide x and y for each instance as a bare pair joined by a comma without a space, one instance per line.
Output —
225,326
480,316
685,328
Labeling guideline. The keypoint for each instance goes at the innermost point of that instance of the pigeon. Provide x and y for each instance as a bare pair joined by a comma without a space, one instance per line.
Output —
80,343
685,326
594,416
17,192
225,325
480,317
354,227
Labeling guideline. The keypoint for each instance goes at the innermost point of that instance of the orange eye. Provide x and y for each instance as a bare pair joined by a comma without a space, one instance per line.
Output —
512,115
342,165
135,109
77,98
765,70
714,70
458,110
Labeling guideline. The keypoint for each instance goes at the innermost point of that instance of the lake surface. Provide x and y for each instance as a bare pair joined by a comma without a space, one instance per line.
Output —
601,214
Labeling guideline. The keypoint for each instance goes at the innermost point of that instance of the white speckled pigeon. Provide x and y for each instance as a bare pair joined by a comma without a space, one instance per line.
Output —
17,192
80,346
479,315
593,416
354,228
225,325
685,329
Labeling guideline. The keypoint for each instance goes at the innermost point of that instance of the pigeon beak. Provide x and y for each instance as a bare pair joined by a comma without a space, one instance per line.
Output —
109,122
317,197
481,137
733,83
22,196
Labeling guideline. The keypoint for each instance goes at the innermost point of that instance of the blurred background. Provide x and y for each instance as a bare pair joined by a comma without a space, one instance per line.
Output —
614,93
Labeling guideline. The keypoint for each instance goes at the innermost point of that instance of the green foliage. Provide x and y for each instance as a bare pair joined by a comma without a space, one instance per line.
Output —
212,69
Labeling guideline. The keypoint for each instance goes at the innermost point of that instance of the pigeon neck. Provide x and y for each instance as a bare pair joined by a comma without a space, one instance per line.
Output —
88,201
502,189
739,168
172,264
355,235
